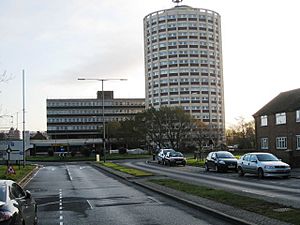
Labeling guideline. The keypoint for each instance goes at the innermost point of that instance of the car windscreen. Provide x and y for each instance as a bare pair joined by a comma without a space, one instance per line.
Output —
266,157
176,154
168,150
2,193
224,155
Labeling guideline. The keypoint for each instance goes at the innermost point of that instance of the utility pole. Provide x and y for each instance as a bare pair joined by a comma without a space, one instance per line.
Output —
23,133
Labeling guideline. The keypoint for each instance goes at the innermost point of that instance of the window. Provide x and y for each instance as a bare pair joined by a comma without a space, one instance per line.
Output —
264,143
298,115
264,121
298,142
280,118
281,143
17,191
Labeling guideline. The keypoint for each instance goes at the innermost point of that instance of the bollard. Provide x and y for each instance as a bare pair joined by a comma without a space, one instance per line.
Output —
97,157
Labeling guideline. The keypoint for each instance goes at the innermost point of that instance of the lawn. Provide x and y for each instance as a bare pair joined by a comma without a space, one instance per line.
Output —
292,215
69,158
125,169
195,162
20,172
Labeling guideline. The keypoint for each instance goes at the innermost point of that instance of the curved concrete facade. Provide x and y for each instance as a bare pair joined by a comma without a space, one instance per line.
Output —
183,64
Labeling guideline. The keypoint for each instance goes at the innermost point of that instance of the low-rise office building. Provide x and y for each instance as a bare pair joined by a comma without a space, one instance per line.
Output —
83,118
277,127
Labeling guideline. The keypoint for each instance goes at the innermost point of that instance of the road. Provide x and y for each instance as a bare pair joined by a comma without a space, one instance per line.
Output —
284,191
81,194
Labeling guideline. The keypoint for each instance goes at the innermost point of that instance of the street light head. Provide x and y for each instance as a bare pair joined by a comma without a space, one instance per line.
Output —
123,79
81,78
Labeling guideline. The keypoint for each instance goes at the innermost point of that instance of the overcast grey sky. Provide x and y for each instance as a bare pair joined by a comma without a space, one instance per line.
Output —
57,41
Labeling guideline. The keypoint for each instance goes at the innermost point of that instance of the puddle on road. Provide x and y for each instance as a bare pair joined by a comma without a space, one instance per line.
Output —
81,205
73,204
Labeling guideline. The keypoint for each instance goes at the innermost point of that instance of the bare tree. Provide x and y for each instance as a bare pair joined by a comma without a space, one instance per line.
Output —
4,77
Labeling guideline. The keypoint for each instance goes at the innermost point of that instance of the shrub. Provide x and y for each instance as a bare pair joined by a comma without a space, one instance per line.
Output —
122,150
85,151
50,152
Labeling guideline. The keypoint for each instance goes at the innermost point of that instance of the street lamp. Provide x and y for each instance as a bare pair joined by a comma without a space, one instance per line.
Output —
102,81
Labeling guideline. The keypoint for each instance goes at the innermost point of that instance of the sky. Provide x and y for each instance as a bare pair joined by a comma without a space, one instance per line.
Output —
55,42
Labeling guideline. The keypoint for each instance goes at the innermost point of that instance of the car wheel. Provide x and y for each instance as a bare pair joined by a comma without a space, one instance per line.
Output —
206,167
260,173
35,221
183,164
240,171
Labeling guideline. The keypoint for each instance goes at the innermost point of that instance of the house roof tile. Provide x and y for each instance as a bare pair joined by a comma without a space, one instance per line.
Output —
284,102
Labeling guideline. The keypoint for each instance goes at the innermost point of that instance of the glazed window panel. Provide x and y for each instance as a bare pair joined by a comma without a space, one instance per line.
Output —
298,115
297,142
280,118
264,143
281,143
264,121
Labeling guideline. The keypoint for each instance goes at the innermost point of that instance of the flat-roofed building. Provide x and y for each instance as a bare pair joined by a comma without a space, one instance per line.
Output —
83,118
183,64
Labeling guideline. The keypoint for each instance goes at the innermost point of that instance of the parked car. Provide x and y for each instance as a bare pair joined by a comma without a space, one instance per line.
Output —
264,165
16,205
220,161
161,155
175,158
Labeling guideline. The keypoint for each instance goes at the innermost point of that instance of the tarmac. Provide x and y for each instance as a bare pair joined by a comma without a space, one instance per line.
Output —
222,211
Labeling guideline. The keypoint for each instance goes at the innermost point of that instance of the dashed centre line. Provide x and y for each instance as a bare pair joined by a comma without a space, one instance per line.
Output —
61,218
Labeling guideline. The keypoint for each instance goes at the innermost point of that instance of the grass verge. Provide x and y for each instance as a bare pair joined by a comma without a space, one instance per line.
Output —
195,162
69,158
271,210
20,172
128,170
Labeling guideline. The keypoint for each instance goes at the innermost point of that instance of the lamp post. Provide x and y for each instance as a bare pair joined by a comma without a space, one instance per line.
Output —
103,116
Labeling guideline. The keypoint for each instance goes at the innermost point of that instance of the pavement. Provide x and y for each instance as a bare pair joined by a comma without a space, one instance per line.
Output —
219,210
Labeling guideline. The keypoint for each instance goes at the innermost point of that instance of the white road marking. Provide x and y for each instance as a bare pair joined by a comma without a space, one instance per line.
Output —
69,174
264,193
61,218
153,199
89,204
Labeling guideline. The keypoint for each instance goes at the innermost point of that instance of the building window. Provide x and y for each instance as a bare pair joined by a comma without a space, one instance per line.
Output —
281,143
280,118
298,115
298,142
264,143
264,121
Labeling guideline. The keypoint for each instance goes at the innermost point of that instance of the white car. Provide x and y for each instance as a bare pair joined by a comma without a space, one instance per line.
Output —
263,164
162,154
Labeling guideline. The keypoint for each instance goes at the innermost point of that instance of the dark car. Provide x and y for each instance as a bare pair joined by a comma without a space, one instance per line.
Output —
162,154
175,158
17,207
220,161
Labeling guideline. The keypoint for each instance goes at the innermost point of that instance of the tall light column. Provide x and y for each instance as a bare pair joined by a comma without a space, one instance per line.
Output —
103,115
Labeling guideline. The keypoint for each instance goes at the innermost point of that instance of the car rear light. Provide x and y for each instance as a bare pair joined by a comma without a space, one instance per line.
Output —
5,215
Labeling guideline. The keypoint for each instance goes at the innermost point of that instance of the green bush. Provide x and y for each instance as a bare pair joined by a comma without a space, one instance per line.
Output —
50,152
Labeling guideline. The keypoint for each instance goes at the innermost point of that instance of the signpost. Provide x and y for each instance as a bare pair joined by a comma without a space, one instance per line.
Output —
11,151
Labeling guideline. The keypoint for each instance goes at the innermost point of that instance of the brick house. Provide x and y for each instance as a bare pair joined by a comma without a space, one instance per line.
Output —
277,127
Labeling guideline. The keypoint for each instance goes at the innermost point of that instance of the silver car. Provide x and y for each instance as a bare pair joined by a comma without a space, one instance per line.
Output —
263,165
